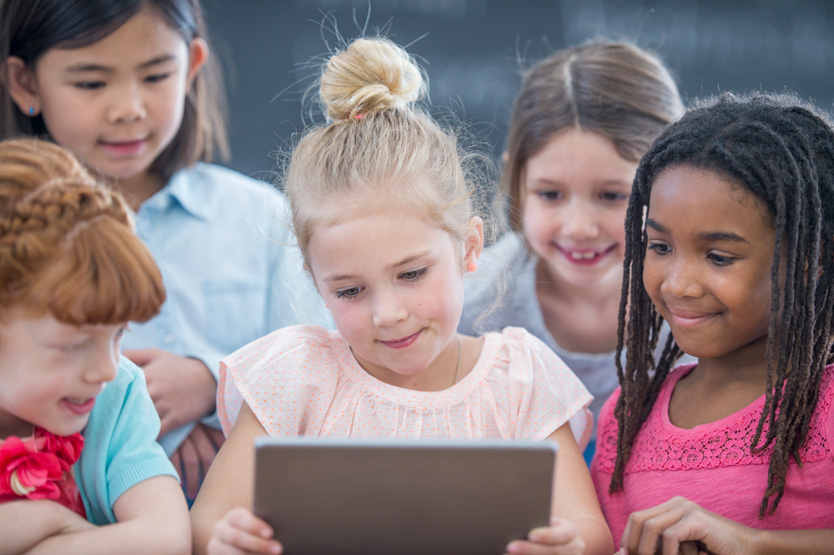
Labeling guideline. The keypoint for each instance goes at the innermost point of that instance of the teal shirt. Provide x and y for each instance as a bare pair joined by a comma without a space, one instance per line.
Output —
120,448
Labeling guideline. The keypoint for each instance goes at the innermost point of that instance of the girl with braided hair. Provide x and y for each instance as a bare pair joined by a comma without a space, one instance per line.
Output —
131,88
730,240
78,430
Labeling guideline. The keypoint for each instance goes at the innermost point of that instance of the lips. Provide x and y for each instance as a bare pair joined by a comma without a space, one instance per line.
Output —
124,148
402,342
689,318
78,406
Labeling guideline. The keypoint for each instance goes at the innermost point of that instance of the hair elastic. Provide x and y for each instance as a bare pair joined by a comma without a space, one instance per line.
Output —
359,116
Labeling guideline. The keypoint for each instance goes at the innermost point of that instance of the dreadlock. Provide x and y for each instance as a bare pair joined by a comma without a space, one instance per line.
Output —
781,149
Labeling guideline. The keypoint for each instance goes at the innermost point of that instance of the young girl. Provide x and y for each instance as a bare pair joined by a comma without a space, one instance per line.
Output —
124,85
77,428
384,218
730,241
580,124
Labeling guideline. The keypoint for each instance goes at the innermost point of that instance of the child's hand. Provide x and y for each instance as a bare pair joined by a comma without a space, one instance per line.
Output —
561,538
241,532
182,389
681,526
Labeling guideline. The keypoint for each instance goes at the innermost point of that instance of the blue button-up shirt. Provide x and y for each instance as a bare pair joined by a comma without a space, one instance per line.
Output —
231,271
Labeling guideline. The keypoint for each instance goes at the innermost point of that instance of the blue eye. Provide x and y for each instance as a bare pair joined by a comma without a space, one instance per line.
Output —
414,275
349,293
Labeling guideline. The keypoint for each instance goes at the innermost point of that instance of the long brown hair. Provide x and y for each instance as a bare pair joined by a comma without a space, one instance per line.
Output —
615,89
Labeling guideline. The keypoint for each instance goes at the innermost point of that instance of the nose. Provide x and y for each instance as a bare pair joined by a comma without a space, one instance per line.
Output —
579,220
388,309
104,365
682,279
127,105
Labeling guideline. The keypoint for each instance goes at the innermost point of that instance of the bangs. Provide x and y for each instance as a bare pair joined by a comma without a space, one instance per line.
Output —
106,276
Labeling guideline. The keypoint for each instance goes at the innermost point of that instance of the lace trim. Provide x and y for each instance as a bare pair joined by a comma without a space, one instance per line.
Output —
656,448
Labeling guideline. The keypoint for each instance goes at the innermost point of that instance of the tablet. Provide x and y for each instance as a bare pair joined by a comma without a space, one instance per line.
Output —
326,496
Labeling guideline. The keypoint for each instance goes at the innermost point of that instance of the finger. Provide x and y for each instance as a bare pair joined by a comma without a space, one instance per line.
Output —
558,533
204,446
521,547
191,467
141,357
241,529
635,529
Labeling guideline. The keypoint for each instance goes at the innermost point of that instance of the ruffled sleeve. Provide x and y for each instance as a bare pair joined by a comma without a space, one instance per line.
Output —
545,393
285,377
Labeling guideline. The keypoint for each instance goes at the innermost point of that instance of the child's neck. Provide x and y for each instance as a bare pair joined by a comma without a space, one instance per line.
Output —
139,188
717,388
579,319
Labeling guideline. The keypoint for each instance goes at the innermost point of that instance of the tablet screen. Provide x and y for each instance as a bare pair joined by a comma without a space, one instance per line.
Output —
325,496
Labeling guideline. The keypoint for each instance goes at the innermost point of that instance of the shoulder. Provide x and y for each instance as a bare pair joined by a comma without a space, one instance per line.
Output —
298,346
226,186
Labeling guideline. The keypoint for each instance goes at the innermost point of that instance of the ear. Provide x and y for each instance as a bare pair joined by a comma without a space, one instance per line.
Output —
198,53
474,243
22,86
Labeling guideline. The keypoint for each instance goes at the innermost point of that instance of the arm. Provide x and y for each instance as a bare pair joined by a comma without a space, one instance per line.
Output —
682,525
152,518
221,518
24,524
577,523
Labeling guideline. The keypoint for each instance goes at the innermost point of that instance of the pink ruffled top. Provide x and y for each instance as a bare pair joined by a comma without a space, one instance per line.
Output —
712,465
304,380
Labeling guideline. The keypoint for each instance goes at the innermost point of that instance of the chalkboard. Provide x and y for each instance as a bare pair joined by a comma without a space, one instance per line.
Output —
474,51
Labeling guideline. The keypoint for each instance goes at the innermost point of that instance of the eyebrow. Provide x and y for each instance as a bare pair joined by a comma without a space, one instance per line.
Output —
403,262
85,67
713,236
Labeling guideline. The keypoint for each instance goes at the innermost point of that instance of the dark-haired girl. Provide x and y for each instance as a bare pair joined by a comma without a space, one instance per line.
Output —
127,86
729,240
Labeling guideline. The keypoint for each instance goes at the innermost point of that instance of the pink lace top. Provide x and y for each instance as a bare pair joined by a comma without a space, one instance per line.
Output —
712,465
303,380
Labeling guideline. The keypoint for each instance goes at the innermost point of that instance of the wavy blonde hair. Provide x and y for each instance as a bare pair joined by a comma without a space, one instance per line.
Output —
67,245
380,148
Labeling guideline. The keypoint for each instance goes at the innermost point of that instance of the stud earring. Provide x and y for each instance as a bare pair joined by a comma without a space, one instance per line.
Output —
471,267
31,110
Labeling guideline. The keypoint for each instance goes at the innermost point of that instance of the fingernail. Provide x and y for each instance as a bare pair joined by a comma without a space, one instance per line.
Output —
514,548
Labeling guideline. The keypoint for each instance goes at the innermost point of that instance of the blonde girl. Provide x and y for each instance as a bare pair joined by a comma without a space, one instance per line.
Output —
385,218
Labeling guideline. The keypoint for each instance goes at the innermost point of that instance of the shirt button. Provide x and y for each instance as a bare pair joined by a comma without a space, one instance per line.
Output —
169,338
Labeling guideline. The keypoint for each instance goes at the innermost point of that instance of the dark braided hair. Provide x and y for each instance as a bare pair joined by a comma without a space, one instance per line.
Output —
781,149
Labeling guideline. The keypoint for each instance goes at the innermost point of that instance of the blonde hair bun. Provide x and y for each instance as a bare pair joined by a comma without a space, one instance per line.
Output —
370,75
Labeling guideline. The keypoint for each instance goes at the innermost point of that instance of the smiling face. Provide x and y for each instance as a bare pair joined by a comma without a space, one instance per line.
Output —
393,283
51,372
116,103
575,193
708,263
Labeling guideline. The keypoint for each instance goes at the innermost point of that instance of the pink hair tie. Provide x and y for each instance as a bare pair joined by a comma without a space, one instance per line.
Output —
359,116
